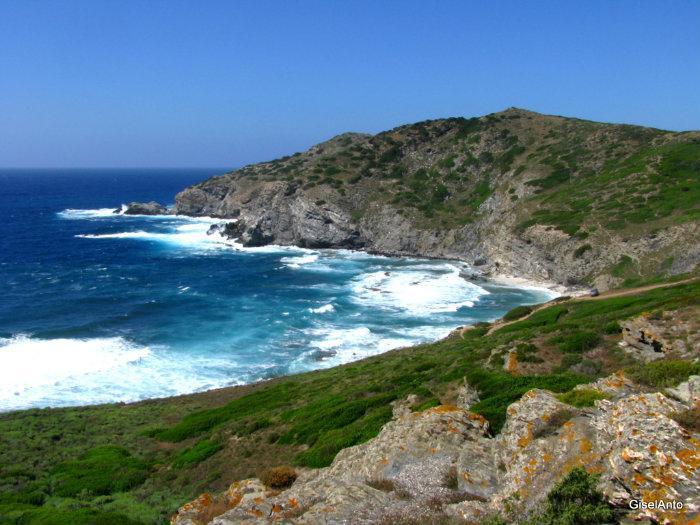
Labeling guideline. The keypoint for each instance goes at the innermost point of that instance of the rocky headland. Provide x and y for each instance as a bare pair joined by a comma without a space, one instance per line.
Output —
517,193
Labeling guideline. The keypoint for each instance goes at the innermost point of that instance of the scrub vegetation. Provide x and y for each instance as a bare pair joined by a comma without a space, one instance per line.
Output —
575,175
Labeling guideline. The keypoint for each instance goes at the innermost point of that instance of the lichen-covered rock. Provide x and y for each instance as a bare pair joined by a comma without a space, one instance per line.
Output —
614,386
441,464
415,451
540,442
207,507
466,396
648,338
687,392
533,415
648,456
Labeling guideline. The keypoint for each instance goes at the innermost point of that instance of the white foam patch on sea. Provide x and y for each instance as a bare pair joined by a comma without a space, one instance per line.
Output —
76,214
195,233
298,262
326,308
333,345
418,290
67,371
189,235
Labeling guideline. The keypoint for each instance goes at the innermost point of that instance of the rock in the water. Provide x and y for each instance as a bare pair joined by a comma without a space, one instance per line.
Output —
145,208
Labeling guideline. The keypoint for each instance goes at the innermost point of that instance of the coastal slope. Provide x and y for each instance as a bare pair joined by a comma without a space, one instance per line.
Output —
491,423
541,197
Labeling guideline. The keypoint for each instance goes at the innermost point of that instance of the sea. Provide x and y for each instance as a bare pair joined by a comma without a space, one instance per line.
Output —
101,307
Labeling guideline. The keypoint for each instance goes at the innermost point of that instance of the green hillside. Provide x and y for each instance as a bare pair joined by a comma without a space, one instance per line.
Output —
137,463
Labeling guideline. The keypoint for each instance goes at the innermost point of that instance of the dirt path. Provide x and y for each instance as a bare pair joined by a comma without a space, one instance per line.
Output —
605,295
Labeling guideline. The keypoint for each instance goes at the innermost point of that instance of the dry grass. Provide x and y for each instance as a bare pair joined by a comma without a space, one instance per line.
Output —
278,477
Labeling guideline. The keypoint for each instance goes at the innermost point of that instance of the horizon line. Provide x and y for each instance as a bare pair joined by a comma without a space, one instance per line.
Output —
116,168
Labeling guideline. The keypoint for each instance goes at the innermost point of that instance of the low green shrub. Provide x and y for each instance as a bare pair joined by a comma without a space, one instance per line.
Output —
585,397
663,373
578,252
575,501
328,444
527,353
623,267
517,313
577,342
613,327
543,317
80,516
568,361
103,470
196,454
499,389
196,423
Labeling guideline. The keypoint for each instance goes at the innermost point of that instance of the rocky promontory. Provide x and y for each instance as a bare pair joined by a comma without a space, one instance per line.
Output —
143,208
539,197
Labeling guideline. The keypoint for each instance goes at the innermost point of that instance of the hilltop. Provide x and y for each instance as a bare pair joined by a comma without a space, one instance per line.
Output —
541,197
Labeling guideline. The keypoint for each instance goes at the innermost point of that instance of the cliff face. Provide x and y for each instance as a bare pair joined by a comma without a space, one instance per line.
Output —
516,192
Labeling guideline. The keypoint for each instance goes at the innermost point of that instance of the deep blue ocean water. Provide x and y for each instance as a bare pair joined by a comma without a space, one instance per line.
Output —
100,307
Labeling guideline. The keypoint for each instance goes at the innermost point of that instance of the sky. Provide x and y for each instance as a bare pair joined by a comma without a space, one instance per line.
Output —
106,83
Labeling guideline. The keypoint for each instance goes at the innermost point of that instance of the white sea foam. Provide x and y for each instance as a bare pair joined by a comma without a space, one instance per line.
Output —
118,213
190,234
194,233
71,213
297,262
63,372
332,346
326,308
418,290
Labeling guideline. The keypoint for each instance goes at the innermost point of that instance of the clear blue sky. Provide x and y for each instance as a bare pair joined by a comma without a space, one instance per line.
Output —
207,83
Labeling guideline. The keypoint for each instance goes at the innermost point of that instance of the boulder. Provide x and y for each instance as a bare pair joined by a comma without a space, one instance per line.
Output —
650,337
467,396
613,386
648,456
687,392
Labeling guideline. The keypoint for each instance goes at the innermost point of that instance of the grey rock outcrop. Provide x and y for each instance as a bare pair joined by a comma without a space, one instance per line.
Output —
144,208
648,338
687,392
442,464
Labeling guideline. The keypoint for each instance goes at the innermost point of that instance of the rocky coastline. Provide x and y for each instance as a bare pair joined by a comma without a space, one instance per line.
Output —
536,197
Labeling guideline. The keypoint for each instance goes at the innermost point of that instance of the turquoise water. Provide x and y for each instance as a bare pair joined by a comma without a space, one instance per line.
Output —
101,307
